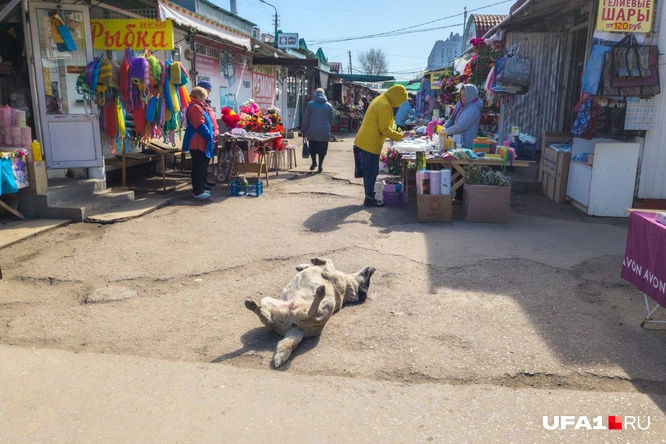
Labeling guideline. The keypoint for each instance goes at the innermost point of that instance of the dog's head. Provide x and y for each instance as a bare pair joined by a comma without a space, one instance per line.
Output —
362,279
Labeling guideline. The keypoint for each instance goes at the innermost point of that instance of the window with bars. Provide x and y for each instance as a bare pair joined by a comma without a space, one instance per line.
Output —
207,50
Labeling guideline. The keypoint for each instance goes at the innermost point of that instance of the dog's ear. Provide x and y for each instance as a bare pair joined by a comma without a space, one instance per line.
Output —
363,276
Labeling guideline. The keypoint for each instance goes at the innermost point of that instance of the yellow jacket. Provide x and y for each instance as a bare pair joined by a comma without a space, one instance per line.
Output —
377,124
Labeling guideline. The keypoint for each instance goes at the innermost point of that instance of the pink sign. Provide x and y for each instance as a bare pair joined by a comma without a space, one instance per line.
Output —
263,90
207,66
644,263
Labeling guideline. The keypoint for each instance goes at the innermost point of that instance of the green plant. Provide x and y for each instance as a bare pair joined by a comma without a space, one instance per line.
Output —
486,176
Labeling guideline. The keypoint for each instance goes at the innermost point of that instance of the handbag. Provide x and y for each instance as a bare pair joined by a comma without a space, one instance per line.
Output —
634,65
306,149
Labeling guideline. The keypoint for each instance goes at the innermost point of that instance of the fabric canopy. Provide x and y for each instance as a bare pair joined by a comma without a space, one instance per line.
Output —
182,16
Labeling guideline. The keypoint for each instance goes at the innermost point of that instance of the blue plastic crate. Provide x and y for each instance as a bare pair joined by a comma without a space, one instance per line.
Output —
524,151
252,190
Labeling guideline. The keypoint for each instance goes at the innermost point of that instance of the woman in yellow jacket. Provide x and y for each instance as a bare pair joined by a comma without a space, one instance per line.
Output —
377,125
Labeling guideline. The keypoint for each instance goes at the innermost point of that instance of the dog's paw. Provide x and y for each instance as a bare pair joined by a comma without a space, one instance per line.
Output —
302,267
279,359
250,304
318,261
320,292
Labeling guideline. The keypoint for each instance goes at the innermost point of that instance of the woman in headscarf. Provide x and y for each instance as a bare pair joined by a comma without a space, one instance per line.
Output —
465,117
317,127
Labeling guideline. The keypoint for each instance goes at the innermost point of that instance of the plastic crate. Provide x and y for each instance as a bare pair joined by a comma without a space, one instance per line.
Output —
390,196
252,190
524,151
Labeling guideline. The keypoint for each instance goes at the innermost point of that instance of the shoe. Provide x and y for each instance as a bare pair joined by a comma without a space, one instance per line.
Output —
373,202
358,175
313,166
320,170
207,188
204,195
210,184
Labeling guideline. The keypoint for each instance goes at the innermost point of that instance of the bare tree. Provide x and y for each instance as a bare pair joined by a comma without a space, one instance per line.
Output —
373,62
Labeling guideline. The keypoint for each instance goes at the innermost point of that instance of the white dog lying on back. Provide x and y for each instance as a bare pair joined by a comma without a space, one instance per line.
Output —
308,302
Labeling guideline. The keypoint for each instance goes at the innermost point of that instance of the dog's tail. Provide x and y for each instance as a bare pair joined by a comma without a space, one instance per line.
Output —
286,346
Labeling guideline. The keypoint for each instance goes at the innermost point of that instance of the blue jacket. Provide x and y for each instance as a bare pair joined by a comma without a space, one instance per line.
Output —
317,119
404,111
205,131
465,120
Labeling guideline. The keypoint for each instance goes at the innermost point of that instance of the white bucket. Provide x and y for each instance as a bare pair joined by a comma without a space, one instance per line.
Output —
435,180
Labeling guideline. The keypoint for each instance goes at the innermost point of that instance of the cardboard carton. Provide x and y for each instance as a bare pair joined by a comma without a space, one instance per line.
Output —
434,208
548,139
555,174
488,204
37,179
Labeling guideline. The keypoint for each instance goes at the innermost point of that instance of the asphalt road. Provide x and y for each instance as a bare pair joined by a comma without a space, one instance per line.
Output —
471,332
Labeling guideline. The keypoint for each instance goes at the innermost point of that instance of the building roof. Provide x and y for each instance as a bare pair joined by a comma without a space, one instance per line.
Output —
485,22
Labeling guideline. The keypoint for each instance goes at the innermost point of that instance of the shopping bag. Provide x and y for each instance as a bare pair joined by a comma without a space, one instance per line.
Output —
610,119
594,70
517,70
635,65
586,120
306,149
607,89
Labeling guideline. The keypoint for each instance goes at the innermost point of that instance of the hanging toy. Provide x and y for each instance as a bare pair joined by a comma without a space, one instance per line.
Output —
151,109
140,123
105,79
123,80
184,97
137,74
175,74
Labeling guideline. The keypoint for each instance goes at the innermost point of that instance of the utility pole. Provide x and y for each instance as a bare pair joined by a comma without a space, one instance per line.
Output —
351,71
465,21
275,38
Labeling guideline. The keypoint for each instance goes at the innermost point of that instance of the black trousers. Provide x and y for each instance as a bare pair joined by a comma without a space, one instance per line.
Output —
199,171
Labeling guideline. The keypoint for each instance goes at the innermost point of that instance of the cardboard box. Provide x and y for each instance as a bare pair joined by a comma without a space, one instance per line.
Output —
556,162
555,174
590,159
37,178
548,139
434,208
554,187
486,204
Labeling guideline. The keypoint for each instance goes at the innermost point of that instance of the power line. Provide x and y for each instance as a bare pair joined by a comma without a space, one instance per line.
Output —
394,34
396,31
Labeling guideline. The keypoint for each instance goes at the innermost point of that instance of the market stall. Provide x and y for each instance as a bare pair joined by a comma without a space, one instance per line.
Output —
644,264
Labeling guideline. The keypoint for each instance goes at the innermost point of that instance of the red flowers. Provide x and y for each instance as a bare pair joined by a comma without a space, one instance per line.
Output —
230,118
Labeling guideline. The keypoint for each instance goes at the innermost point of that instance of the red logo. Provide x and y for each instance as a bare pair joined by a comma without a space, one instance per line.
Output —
614,423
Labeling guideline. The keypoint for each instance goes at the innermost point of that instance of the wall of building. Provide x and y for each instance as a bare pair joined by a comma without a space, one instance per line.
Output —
652,183
444,51
536,111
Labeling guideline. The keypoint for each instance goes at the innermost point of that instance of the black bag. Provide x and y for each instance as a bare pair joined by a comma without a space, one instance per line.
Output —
611,117
306,149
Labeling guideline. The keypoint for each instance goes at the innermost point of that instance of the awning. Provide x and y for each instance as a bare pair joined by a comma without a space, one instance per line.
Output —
530,12
184,17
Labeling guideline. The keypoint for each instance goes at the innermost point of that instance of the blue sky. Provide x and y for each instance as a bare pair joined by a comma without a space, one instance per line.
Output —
322,20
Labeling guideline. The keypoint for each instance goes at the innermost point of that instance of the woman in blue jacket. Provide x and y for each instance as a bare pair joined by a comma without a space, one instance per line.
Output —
317,127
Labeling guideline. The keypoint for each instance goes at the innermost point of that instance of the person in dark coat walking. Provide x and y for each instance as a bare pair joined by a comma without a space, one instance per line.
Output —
317,127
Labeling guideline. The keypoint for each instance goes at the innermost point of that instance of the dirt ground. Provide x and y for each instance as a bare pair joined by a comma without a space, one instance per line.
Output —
534,303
